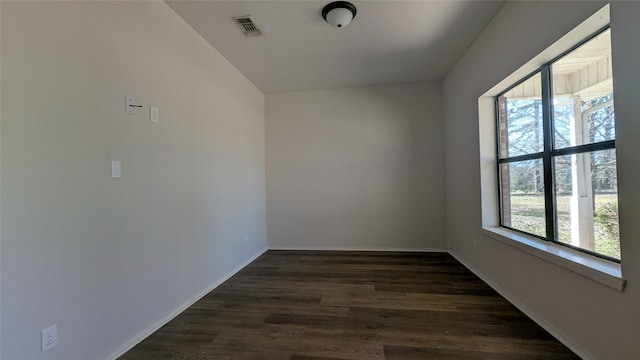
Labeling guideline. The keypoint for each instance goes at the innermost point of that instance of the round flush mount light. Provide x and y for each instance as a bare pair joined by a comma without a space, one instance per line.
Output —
339,13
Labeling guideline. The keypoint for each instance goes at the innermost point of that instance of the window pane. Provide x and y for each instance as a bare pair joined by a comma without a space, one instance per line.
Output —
587,201
583,94
522,188
520,119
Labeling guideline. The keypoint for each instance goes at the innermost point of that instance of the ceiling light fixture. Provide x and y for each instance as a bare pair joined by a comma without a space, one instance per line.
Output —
339,13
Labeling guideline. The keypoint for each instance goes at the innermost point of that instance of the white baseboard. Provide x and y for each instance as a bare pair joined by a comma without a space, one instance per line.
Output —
333,248
128,345
585,355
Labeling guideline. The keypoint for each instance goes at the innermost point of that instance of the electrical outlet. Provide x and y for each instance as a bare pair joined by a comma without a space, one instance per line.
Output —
246,238
475,244
153,114
49,337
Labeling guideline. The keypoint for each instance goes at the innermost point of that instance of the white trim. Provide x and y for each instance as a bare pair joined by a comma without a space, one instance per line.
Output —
333,248
129,344
605,272
560,336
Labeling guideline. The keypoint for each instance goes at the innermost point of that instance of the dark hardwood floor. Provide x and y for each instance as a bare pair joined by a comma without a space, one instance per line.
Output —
320,305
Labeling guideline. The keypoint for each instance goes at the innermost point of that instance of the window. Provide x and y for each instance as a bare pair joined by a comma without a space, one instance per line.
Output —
556,151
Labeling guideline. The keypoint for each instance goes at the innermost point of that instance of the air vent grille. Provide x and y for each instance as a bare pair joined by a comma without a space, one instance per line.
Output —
248,27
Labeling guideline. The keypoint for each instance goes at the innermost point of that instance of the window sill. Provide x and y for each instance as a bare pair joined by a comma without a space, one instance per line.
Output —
591,267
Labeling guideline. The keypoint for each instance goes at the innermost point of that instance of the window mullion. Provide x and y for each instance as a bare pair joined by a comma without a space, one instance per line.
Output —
556,134
547,164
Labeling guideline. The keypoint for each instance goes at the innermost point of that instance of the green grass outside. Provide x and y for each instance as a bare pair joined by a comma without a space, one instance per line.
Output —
527,214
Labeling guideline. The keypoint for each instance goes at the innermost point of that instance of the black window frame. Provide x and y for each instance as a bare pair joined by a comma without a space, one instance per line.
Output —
549,152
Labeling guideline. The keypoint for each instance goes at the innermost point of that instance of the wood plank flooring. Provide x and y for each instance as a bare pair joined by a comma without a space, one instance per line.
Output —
323,305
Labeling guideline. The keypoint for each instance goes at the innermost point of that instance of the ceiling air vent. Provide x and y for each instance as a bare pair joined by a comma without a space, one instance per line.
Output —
248,27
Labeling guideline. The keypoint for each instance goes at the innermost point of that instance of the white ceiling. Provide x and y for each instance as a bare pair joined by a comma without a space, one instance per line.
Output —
388,42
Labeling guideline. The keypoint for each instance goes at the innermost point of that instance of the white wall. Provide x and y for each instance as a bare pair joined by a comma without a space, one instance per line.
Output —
106,258
0,184
356,168
596,321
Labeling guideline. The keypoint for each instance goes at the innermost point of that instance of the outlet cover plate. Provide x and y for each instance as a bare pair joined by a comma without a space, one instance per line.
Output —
49,338
116,169
153,114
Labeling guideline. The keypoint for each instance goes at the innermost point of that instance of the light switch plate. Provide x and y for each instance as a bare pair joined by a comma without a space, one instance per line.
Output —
116,171
154,114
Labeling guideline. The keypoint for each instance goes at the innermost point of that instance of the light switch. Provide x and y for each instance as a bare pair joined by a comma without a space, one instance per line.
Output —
116,171
153,114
